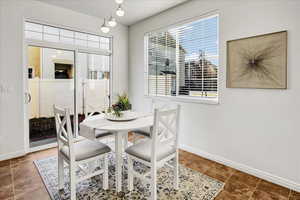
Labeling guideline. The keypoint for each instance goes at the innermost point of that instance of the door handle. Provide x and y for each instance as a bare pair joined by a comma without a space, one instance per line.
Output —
28,99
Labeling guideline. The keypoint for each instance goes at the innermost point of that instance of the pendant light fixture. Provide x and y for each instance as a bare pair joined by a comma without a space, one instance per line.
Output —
112,22
120,12
104,28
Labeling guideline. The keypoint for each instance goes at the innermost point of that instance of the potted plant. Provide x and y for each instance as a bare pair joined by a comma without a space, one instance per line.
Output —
122,104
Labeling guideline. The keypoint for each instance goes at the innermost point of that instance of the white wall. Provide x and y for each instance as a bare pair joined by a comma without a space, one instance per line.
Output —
255,130
12,14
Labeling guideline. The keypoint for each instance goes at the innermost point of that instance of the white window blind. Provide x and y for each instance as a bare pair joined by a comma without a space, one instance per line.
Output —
183,61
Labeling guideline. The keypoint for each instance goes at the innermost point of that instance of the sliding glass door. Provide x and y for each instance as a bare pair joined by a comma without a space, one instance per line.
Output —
51,78
68,68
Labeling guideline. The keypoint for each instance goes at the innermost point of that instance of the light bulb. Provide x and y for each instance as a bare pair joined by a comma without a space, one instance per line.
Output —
112,22
120,12
119,1
104,28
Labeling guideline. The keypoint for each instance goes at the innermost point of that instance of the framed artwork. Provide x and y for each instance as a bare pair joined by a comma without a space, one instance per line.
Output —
258,62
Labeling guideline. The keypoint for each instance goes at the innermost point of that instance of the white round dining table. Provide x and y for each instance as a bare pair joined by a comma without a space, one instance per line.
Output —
120,130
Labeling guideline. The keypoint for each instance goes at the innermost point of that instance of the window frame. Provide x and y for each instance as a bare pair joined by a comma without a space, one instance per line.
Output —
74,38
181,98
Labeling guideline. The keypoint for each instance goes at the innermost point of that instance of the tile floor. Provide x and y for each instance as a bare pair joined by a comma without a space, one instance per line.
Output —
19,179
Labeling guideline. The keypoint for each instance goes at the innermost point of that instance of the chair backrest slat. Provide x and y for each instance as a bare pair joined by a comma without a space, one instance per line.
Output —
64,129
165,129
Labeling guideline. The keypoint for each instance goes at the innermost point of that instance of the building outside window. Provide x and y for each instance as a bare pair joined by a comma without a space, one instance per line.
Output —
183,61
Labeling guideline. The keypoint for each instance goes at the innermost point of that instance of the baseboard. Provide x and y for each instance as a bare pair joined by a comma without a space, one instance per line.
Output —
12,155
244,168
23,152
43,147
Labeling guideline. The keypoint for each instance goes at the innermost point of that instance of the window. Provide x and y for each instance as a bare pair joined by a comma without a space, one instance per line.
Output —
54,34
183,61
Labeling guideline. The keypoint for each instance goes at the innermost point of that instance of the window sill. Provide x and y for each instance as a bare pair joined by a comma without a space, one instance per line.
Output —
210,101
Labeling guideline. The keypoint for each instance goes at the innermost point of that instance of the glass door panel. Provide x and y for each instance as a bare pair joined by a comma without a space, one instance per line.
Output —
51,75
93,84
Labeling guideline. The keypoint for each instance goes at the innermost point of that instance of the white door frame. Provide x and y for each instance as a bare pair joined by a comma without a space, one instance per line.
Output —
59,46
42,44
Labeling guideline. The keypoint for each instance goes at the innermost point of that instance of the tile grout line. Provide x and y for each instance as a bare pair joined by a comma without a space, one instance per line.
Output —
209,168
258,182
225,182
229,177
12,179
290,194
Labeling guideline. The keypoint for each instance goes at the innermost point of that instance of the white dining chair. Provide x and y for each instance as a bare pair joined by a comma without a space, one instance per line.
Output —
157,151
146,132
99,134
76,153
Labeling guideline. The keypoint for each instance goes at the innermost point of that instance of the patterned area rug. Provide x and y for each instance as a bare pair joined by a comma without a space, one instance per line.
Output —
193,185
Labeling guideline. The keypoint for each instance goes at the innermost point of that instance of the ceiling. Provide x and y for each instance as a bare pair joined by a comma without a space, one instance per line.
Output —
135,10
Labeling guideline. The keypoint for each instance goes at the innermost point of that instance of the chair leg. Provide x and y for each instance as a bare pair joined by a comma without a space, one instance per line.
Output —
60,173
176,175
105,175
130,174
153,183
72,171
